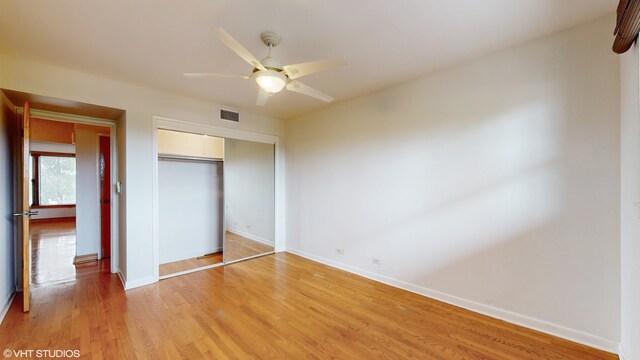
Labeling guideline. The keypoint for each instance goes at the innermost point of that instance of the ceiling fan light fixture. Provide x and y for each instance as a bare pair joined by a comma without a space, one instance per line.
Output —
270,81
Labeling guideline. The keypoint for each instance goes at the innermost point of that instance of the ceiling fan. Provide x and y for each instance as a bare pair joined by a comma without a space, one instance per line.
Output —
269,73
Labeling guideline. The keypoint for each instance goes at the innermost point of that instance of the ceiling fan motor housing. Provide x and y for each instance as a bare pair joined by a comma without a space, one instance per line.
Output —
272,64
272,40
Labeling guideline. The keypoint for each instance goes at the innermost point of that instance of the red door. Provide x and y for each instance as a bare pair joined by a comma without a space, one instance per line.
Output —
105,196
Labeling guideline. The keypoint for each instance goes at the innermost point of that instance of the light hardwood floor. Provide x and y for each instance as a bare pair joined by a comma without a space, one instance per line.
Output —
273,307
53,247
236,247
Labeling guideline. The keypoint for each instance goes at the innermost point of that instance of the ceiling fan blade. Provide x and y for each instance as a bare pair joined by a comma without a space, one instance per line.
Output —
295,71
263,96
301,88
237,48
202,75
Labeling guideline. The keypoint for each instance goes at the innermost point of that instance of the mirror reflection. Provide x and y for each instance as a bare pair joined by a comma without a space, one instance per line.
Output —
249,188
216,200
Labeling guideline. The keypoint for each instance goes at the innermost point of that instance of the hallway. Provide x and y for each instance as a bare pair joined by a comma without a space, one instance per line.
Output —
53,248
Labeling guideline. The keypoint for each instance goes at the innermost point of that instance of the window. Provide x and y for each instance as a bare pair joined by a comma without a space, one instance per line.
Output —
53,179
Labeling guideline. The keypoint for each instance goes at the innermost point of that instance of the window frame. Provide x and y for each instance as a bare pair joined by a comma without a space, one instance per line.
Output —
35,181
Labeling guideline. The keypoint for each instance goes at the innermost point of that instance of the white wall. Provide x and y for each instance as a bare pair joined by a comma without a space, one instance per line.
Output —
44,213
87,193
249,174
189,209
493,185
629,206
7,240
140,104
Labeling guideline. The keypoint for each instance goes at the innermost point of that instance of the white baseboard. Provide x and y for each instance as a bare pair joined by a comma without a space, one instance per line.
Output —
5,306
251,236
621,353
140,282
508,316
128,285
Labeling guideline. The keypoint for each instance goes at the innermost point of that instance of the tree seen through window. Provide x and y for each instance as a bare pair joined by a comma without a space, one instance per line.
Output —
57,180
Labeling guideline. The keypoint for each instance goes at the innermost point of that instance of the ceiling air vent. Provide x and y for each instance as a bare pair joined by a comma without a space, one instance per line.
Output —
229,115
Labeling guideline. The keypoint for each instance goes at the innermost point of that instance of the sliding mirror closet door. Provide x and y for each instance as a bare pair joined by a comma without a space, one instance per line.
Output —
249,186
190,201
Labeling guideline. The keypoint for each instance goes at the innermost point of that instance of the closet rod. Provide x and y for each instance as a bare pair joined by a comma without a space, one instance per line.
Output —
187,158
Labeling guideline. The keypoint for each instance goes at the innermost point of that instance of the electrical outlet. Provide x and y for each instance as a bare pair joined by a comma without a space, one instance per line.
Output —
339,251
376,261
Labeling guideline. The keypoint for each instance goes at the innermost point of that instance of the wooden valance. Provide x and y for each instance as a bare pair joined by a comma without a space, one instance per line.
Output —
627,25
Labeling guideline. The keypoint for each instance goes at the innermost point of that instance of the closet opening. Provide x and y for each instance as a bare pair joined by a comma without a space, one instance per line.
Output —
216,201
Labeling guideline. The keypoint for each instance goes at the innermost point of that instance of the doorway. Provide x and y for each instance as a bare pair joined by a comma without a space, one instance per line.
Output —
51,200
70,194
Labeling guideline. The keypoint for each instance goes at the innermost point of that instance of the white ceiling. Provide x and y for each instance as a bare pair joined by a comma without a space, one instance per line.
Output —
151,42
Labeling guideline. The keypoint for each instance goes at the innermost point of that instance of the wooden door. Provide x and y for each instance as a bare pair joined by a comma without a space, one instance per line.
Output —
25,211
105,196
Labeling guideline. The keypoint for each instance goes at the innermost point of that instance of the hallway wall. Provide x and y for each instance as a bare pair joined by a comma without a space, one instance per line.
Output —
87,192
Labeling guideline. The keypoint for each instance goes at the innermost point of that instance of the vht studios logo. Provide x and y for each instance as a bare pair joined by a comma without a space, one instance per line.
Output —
31,353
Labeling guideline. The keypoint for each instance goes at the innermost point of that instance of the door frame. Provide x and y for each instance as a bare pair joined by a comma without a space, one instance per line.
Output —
165,123
111,124
25,206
